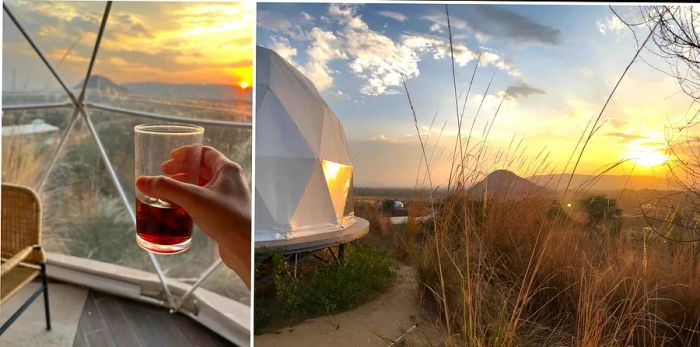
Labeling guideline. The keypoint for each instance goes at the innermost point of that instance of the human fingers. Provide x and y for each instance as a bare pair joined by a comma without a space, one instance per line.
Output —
188,196
213,160
186,153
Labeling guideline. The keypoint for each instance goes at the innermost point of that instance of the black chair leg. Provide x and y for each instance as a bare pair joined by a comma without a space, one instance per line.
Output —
45,284
22,308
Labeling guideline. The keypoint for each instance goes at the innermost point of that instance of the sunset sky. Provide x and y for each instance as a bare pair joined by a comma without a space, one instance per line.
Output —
559,63
198,43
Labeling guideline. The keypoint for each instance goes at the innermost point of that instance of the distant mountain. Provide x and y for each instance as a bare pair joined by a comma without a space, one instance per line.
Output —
604,182
505,185
189,91
103,86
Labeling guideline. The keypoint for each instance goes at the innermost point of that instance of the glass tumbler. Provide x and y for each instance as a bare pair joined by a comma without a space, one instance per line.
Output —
161,226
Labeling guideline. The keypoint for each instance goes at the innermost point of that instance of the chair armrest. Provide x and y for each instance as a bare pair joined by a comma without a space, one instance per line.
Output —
16,259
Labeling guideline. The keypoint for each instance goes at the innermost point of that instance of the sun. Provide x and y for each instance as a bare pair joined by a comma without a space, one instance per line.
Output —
243,84
645,156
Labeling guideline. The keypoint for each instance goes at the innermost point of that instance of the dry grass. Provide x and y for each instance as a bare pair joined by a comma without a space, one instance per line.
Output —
22,161
507,273
510,273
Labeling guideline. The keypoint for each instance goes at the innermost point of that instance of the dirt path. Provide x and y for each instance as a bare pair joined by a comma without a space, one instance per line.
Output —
385,317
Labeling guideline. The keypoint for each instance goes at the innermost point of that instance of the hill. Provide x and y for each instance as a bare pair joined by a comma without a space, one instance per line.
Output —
604,182
189,91
106,87
505,185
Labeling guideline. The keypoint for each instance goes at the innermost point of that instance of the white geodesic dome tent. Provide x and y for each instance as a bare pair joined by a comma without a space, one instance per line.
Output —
303,168
70,138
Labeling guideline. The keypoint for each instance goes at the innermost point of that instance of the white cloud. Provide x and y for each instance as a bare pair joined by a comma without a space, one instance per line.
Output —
374,57
338,94
379,60
393,15
307,16
438,47
325,47
283,48
481,37
275,22
491,58
610,25
439,21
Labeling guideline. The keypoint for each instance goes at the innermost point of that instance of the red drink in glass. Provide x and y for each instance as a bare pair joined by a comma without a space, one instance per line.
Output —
164,226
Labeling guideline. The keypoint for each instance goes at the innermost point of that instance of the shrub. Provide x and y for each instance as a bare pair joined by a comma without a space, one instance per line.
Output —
325,288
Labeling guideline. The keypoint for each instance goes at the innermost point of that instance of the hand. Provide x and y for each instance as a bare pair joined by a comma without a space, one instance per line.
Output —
219,205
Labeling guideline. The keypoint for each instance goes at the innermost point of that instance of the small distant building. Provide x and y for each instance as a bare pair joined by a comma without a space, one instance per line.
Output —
398,204
36,129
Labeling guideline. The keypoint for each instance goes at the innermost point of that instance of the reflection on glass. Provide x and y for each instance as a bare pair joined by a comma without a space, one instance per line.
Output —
338,178
29,139
192,60
65,32
83,215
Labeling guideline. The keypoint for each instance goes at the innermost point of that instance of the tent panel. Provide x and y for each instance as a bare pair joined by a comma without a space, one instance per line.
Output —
263,216
280,184
299,106
277,134
282,73
260,93
262,77
333,145
316,204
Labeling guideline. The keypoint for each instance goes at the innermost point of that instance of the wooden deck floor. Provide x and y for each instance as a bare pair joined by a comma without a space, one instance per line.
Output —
112,321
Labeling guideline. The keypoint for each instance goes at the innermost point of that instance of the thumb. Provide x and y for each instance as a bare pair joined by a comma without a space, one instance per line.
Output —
187,196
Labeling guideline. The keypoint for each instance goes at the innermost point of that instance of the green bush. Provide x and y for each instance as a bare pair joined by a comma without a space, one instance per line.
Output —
327,288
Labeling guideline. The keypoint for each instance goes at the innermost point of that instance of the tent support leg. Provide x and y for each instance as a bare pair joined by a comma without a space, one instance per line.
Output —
341,252
319,258
330,249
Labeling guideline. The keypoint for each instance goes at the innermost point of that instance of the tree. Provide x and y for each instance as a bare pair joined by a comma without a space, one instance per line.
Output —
603,213
676,40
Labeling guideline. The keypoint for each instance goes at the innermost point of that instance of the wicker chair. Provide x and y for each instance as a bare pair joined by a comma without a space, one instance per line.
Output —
22,256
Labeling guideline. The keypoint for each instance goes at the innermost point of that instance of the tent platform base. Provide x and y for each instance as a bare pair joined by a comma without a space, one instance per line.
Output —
316,242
